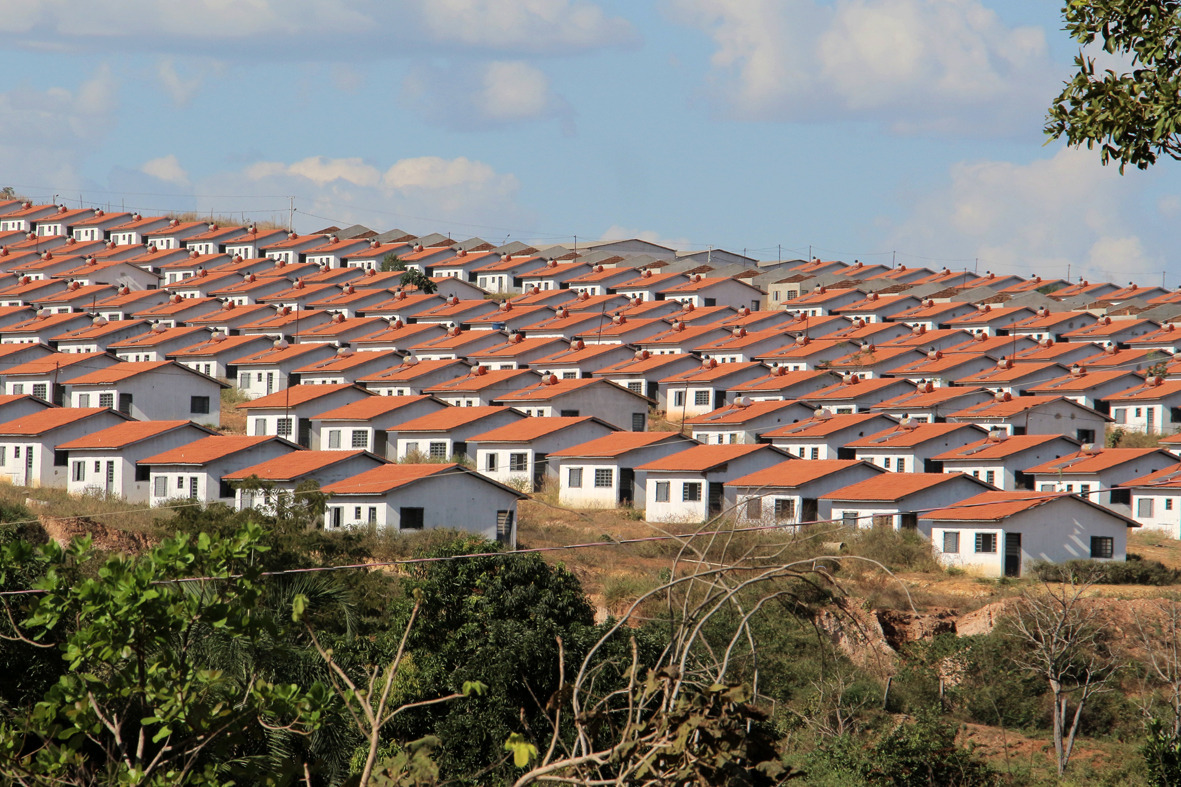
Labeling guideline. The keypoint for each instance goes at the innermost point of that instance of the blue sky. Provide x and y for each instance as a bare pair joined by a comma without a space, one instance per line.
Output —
871,129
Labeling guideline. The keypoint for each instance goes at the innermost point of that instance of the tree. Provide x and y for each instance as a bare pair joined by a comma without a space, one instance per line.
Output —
1062,641
413,277
392,262
140,702
1134,116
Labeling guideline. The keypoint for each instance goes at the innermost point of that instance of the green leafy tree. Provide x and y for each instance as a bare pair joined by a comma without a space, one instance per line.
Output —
140,703
413,277
392,262
1133,116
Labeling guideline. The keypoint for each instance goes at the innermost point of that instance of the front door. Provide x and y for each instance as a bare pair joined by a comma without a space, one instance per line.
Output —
539,466
715,499
28,465
109,482
1012,554
627,483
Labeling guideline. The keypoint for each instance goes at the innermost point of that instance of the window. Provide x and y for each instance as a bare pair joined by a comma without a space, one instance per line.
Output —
411,447
701,398
106,400
886,463
662,489
785,509
360,438
199,405
1168,500
1102,547
18,389
193,487
754,508
283,427
986,542
84,400
569,375
40,390
334,438
639,421
410,519
901,465
490,462
951,542
143,473
373,515
437,450
1084,490
678,398
357,513
691,491
1143,508
604,478
990,476
60,458
636,386
1046,488
160,487
79,471
575,478
815,453
518,462
244,380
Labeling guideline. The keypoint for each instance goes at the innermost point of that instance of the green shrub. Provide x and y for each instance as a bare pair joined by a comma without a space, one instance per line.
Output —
1133,571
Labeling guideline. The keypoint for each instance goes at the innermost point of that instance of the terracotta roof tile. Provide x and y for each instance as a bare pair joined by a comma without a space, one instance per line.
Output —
450,418
793,474
892,487
992,506
370,407
295,395
209,449
46,420
619,443
1095,461
700,458
527,429
388,477
293,465
125,434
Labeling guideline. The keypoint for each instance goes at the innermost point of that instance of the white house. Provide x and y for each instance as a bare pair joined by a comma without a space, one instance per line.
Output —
1097,473
481,387
688,486
586,396
288,413
413,376
157,390
997,534
443,434
1153,406
1035,415
698,391
283,475
790,493
744,420
195,470
105,462
28,443
602,473
912,447
824,435
1001,459
263,373
363,423
518,453
896,500
412,497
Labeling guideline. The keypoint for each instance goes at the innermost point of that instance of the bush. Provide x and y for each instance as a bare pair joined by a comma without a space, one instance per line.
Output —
1133,571
897,550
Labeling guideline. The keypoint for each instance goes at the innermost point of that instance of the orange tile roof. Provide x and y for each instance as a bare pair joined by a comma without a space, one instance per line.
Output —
46,420
214,346
209,449
778,380
1146,391
1003,408
619,443
450,418
409,371
370,407
1082,382
295,395
293,465
908,436
990,448
641,364
793,474
52,362
1095,461
122,371
739,414
273,355
347,360
700,458
388,477
992,506
154,337
708,372
551,387
527,429
125,434
1169,477
892,487
478,381
820,426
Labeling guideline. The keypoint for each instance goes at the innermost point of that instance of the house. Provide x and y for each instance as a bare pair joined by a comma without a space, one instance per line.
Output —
790,493
872,361
744,420
177,311
649,285
682,338
518,352
346,366
824,301
804,354
879,307
1000,459
585,396
601,473
481,387
1156,500
351,301
990,319
101,334
824,435
1098,473
922,339
1152,406
504,274
411,497
399,337
942,370
364,423
1118,332
510,318
743,346
1003,534
44,377
29,454
781,384
1016,379
282,321
1088,387
288,412
454,312
104,462
1167,339
215,357
577,359
1128,359
931,315
263,373
854,395
291,249
260,485
566,324
860,332
897,500
1065,353
157,343
251,242
912,447
689,486
133,230
1035,415
443,434
703,389
194,470
15,354
341,330
126,302
18,405
704,292
517,453
43,329
624,329
413,376
150,391
77,297
1045,324
456,344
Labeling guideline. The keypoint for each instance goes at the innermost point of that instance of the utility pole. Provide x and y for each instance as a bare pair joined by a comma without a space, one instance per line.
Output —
291,215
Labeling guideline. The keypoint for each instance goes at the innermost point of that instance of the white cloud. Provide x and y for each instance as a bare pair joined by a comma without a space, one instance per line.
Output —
180,89
166,168
916,65
483,95
1041,217
430,192
327,29
45,134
